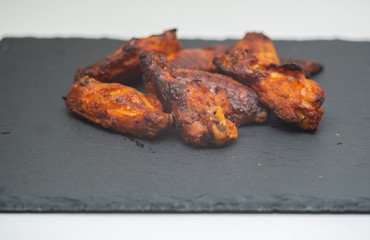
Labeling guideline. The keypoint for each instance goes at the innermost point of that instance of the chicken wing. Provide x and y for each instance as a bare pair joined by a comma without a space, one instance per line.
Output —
119,107
260,46
309,67
196,58
284,89
239,103
197,117
124,64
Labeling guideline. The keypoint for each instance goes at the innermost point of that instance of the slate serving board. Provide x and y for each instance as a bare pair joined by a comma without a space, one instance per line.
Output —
53,161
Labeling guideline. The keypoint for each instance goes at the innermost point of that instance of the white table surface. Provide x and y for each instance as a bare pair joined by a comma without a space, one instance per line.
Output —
217,19
184,226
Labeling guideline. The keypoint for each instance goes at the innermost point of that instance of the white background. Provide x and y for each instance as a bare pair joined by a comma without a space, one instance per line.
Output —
215,19
284,19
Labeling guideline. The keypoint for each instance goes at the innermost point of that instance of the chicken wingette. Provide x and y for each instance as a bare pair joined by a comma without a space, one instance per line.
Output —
197,117
124,65
118,107
284,89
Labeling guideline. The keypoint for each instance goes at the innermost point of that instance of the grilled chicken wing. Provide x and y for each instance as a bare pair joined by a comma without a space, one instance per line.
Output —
119,107
239,103
284,88
260,46
309,67
197,117
124,63
196,58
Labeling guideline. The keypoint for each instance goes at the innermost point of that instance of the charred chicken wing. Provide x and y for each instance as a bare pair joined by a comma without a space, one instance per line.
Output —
124,64
239,103
309,67
284,89
263,48
119,107
197,117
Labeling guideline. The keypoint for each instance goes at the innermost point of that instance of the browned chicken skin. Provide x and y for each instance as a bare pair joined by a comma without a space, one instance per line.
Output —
309,67
124,65
196,58
263,48
260,46
284,89
197,117
119,107
239,103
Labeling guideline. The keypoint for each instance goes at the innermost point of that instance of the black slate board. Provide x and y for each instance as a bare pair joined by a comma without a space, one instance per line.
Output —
53,161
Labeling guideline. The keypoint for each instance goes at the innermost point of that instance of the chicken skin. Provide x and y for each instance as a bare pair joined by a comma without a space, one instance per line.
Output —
309,67
197,58
284,89
260,46
197,117
263,48
119,107
124,64
239,103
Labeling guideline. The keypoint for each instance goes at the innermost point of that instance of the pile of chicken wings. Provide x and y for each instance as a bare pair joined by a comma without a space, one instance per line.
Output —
207,93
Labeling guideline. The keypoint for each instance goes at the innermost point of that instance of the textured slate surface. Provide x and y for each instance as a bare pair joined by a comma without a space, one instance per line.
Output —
53,161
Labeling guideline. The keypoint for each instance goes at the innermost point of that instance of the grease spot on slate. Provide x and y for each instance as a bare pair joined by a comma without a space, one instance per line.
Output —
6,132
137,142
151,150
140,144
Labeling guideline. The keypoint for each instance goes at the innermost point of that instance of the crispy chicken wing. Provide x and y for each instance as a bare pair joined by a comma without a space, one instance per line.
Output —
239,103
124,63
119,107
309,67
197,117
260,46
196,58
284,88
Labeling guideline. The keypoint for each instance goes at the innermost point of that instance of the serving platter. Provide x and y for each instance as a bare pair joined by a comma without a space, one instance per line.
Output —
53,161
